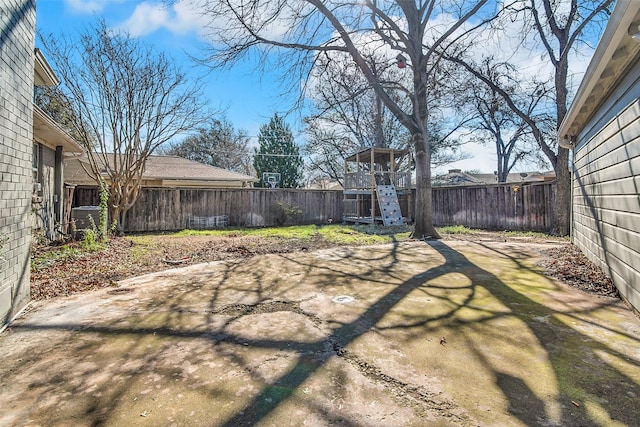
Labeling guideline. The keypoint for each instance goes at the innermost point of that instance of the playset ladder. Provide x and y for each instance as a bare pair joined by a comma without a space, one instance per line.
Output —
389,206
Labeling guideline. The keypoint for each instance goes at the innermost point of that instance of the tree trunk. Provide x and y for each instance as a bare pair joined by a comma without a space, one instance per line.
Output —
562,223
423,228
116,214
379,137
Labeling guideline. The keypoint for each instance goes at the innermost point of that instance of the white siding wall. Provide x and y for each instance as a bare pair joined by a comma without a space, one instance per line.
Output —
606,188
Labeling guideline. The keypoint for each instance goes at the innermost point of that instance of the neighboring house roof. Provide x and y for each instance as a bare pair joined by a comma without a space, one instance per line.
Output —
489,178
168,171
457,177
174,167
619,48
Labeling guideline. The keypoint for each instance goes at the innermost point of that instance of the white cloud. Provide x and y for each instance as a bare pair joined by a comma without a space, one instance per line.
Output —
146,18
180,18
185,16
86,6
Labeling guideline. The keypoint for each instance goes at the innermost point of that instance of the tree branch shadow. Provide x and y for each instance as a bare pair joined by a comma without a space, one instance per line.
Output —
398,280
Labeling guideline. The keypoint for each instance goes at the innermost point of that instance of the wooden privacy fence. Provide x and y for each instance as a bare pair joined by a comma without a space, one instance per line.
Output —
160,209
526,206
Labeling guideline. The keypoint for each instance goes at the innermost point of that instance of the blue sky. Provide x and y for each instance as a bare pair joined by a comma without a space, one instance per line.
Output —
249,99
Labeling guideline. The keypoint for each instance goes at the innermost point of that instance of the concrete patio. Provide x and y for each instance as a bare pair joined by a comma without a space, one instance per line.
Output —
455,333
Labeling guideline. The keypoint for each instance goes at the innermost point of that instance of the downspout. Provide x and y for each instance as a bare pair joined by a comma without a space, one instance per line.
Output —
572,153
58,185
570,142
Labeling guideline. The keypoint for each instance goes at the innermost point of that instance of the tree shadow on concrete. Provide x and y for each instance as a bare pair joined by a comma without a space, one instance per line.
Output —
591,389
205,306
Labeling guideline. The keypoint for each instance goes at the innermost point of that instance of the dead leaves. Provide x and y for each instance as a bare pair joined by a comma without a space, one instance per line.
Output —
54,275
78,272
569,265
121,258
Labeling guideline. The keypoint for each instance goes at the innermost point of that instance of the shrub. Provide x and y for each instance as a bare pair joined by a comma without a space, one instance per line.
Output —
283,212
92,238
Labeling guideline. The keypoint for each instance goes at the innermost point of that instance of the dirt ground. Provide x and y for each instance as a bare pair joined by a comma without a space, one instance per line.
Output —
126,257
442,333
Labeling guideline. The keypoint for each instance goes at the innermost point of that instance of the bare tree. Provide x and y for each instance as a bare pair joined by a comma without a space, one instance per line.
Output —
495,124
302,30
127,100
219,144
325,150
559,26
349,116
343,98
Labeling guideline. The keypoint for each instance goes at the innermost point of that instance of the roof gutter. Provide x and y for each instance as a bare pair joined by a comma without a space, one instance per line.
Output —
43,73
613,37
64,138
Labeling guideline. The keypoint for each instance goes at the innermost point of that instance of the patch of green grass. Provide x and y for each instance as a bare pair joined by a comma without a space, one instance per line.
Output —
342,235
225,232
335,233
301,232
456,229
142,247
61,254
398,230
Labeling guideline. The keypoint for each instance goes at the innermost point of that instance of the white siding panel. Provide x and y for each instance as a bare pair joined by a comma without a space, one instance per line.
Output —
622,128
606,188
625,220
604,258
629,203
629,185
614,157
604,248
620,171
624,276
608,234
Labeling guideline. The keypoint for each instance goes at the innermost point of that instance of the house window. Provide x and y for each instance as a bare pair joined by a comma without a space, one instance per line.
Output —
36,156
36,167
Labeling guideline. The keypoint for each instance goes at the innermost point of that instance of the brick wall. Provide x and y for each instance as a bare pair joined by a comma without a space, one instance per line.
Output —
17,29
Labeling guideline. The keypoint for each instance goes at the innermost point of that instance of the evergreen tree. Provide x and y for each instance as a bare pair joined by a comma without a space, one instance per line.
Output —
278,152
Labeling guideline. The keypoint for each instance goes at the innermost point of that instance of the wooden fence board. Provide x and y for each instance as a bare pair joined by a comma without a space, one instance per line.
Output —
490,207
496,206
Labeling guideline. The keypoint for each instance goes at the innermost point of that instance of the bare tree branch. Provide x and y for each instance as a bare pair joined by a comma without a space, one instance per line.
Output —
128,101
314,26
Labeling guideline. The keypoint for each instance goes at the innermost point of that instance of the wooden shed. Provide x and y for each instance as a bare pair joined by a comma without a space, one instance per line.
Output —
602,128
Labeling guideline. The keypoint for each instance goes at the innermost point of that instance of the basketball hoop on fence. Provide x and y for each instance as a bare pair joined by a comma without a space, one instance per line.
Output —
271,179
